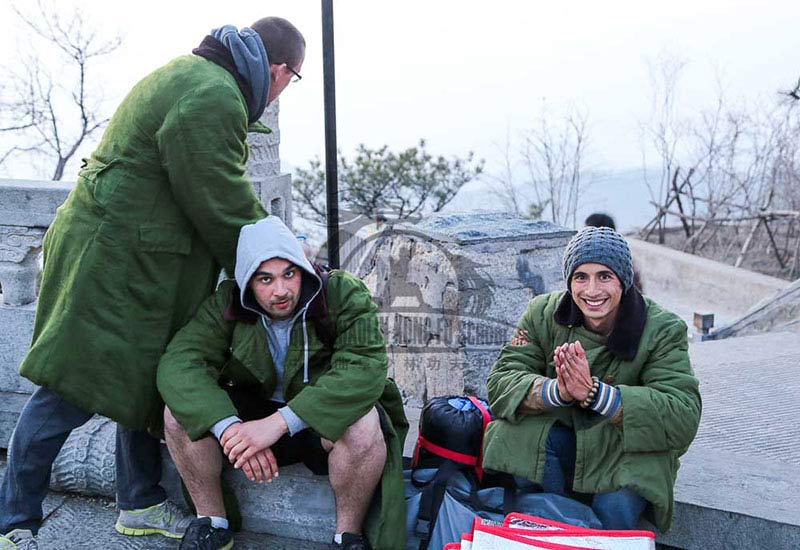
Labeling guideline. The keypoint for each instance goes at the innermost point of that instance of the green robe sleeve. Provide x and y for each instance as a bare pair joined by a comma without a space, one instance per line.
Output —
190,367
203,148
518,367
663,414
357,374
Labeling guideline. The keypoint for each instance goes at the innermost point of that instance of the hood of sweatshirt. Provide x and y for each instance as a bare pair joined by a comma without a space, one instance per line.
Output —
266,239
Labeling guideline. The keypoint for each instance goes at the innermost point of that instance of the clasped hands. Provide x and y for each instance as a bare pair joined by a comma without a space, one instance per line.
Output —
572,368
247,446
572,372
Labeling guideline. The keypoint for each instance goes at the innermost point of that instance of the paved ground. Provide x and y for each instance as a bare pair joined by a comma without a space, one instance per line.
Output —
74,522
739,484
750,387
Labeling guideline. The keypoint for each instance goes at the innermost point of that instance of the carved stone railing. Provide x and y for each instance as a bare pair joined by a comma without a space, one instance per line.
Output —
450,290
26,210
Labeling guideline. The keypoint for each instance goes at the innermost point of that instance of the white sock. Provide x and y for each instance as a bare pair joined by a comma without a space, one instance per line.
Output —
337,538
216,523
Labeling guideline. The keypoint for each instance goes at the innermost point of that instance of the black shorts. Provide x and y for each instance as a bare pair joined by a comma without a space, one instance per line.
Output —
305,446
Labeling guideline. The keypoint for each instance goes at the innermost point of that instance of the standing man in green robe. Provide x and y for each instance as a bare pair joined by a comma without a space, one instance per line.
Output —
285,366
595,396
131,254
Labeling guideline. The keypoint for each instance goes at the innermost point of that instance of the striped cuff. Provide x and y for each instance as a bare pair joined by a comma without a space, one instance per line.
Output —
608,400
550,395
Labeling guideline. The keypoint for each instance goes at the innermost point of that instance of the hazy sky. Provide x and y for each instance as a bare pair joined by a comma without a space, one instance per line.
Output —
461,73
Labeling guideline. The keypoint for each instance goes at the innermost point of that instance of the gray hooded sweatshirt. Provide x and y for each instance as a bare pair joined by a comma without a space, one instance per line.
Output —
266,239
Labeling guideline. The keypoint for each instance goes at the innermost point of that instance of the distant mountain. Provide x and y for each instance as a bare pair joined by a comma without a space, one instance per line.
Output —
620,193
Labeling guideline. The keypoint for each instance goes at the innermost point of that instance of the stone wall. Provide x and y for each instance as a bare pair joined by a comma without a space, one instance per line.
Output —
780,312
27,209
264,168
685,283
450,291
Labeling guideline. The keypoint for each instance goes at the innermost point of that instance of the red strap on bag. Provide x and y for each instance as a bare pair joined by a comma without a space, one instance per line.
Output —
461,458
469,460
486,419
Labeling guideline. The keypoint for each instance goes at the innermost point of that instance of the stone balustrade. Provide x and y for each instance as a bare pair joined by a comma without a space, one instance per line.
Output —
264,168
26,210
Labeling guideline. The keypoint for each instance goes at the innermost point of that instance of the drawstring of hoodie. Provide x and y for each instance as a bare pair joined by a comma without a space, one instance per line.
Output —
305,347
305,332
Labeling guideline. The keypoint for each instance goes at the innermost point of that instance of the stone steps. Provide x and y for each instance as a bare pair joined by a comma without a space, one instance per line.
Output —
71,521
728,500
296,504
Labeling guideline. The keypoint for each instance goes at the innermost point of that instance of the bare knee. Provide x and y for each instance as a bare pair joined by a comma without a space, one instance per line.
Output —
173,428
364,437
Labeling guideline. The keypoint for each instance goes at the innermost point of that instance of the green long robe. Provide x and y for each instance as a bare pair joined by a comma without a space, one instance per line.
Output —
138,243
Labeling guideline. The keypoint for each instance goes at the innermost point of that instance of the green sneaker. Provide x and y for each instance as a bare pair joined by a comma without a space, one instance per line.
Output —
162,519
18,539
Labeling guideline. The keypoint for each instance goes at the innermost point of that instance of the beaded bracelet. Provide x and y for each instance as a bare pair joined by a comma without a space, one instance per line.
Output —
589,401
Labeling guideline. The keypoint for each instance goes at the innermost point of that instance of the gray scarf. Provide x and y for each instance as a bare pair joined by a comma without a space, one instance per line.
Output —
251,61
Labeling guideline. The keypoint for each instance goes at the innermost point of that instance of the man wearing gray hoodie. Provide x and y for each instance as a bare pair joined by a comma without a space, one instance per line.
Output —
288,365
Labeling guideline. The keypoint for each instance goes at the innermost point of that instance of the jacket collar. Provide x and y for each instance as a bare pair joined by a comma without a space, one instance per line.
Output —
624,339
215,51
236,311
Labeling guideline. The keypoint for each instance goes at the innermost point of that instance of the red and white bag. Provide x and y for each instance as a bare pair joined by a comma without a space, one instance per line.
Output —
520,531
490,537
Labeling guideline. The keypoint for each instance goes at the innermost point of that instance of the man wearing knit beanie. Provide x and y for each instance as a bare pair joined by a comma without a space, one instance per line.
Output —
594,396
600,219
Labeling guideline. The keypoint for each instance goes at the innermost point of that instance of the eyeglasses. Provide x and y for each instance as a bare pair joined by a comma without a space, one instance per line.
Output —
297,77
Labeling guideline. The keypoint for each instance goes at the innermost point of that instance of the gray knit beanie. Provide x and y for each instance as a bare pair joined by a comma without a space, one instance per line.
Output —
599,245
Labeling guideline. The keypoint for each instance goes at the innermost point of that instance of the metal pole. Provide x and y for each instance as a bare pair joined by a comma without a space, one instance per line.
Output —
331,172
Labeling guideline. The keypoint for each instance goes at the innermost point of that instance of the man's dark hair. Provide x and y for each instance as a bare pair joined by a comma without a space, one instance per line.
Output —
598,219
282,40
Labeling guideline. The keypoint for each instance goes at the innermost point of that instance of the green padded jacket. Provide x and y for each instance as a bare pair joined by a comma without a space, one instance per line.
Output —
346,378
660,406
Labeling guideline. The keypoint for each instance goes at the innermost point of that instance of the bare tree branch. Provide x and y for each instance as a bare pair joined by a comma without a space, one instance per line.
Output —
795,92
504,181
54,116
743,171
552,155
